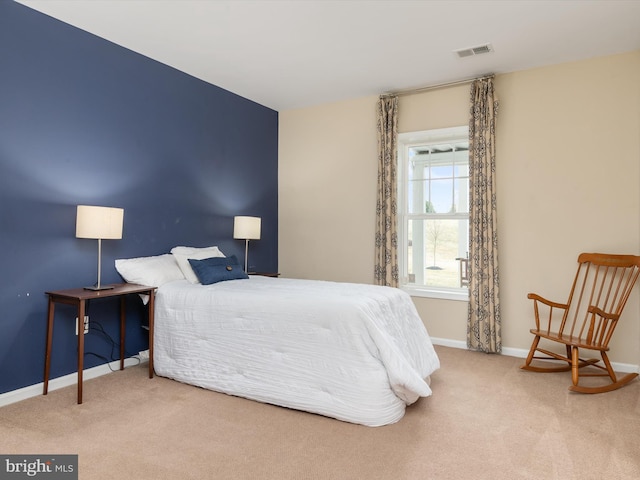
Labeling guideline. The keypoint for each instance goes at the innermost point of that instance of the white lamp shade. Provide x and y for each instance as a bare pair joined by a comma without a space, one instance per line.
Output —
99,222
247,228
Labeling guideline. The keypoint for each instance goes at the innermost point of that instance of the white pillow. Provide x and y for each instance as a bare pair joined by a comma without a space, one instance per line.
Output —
183,254
149,271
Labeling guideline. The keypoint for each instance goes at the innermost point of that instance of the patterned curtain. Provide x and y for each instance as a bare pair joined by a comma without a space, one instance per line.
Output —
386,262
483,327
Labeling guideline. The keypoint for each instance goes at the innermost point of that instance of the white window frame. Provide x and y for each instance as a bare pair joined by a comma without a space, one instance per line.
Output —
405,142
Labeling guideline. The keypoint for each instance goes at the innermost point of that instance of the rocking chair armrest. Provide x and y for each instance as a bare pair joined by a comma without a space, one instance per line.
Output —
603,314
538,298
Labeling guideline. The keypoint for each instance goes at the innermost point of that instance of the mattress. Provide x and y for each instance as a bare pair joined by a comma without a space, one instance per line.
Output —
357,353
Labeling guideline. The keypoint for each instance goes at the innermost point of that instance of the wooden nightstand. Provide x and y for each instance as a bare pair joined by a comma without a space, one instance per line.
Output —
264,274
79,297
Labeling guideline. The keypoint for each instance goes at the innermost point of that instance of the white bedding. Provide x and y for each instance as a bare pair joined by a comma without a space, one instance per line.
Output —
358,353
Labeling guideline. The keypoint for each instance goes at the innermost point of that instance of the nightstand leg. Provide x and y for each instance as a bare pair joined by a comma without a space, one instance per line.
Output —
81,311
47,355
151,306
122,330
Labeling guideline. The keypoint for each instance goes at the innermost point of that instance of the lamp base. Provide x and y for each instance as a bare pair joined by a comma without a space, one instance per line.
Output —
97,288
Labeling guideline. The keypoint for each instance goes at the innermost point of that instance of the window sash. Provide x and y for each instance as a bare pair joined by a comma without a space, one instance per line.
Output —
456,170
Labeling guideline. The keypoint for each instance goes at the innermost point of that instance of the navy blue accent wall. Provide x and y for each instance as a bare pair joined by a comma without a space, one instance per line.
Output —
84,121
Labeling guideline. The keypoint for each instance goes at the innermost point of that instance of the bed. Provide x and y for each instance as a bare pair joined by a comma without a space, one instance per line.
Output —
357,353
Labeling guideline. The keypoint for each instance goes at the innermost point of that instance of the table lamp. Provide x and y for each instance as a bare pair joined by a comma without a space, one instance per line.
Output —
246,228
99,223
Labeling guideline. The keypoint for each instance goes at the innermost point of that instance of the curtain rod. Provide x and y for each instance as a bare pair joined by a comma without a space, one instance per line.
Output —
411,91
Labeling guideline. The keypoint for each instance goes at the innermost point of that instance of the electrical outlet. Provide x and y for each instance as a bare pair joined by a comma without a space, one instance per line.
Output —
86,324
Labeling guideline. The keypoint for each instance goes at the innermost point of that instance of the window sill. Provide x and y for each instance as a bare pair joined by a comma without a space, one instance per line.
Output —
460,295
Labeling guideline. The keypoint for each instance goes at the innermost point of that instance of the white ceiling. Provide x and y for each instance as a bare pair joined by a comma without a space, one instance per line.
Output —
288,54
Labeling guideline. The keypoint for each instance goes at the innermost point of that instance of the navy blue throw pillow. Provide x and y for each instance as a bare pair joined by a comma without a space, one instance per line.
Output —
217,269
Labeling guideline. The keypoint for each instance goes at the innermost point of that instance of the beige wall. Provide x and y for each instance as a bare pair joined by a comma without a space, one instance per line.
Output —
568,171
327,191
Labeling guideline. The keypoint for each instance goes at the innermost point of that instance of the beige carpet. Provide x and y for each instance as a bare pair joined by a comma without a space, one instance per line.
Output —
486,420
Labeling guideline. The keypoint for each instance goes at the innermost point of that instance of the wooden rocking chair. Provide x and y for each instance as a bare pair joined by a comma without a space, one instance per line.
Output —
599,293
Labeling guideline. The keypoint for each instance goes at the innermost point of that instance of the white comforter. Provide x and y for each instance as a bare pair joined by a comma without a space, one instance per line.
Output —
358,353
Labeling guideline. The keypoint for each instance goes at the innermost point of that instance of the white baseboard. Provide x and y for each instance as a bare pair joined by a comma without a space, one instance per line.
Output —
522,353
66,381
71,379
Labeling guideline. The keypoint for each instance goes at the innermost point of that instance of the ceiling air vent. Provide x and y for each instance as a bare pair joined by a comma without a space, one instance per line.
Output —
470,52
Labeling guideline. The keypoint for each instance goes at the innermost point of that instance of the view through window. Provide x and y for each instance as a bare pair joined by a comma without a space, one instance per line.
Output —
433,212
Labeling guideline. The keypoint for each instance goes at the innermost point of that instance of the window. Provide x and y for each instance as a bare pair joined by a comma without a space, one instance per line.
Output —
433,212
